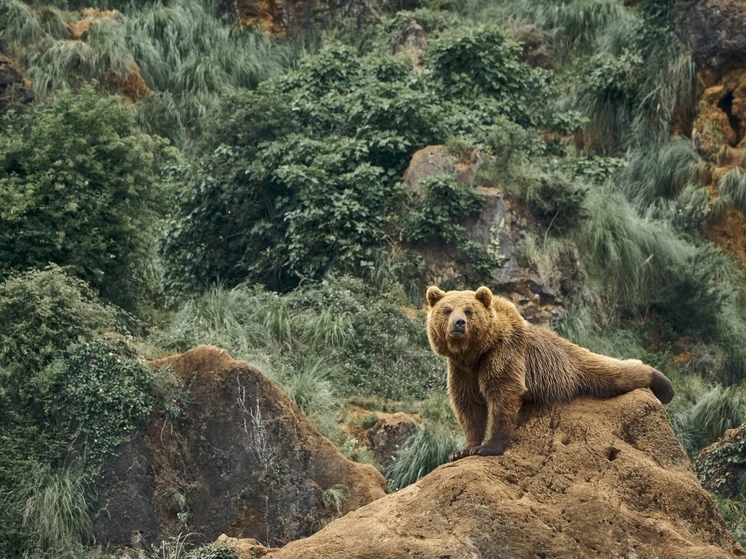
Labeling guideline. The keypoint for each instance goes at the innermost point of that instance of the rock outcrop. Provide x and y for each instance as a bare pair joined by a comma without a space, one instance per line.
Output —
242,460
716,33
721,467
497,229
593,478
12,86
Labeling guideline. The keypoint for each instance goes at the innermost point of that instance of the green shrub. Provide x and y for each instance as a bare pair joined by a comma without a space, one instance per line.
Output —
45,312
97,396
79,187
439,211
302,177
481,63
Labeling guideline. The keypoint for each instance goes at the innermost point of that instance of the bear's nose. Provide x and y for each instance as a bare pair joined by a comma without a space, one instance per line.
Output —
460,323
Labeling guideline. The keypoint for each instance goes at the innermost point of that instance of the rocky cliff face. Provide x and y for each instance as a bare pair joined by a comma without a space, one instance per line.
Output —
243,460
593,478
716,32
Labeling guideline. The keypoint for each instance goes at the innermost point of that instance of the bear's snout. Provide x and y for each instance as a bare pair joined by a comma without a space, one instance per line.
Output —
458,325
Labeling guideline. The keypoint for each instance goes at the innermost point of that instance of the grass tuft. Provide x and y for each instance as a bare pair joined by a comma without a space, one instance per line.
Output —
425,450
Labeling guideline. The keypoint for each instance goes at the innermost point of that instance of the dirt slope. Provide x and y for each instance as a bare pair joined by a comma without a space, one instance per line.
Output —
243,460
588,479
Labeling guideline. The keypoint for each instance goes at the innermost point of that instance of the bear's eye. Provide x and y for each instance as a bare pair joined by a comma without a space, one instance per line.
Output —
446,311
468,313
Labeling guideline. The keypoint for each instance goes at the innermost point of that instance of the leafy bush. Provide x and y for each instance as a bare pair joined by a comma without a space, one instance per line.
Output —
481,64
439,210
302,176
79,187
96,396
45,312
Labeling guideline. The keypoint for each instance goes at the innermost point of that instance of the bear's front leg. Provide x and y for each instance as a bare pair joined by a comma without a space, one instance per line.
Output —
470,408
504,397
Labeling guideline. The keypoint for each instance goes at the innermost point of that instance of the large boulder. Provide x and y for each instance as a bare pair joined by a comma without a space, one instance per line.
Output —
593,478
242,460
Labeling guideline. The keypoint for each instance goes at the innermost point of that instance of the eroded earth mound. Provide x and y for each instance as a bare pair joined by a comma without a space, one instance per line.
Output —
242,460
593,478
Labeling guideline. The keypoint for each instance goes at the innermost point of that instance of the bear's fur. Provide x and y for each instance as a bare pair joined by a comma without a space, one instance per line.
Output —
497,361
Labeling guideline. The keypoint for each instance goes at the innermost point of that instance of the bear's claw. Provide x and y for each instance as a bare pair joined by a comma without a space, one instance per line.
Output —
495,449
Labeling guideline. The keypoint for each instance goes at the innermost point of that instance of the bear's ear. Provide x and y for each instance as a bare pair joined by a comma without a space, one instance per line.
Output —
434,295
484,296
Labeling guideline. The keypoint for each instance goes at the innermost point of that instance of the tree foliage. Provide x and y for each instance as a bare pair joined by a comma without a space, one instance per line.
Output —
79,187
302,176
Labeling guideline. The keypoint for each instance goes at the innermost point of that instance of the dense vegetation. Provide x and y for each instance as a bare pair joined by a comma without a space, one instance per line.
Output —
253,199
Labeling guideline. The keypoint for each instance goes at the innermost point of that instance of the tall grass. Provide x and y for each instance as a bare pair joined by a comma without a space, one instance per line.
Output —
731,192
661,173
423,451
577,25
185,53
55,509
702,412
19,26
629,252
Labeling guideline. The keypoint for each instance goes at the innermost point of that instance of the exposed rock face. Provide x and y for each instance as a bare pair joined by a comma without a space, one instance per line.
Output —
388,434
243,460
716,32
722,465
497,228
411,44
593,478
12,86
492,228
277,17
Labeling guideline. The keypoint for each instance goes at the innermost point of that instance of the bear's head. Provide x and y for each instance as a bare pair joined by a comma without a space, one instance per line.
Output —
460,323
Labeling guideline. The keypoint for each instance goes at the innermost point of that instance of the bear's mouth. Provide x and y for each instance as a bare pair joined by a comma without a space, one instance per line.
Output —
457,333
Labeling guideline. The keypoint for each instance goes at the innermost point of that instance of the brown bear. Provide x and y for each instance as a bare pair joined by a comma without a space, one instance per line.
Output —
497,361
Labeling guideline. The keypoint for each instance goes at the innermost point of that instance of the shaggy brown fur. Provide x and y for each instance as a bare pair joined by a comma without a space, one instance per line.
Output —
497,361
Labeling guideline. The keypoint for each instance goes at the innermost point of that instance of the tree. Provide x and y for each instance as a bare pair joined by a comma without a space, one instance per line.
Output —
79,187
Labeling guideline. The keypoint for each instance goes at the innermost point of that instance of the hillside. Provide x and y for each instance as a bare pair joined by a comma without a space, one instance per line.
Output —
283,180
